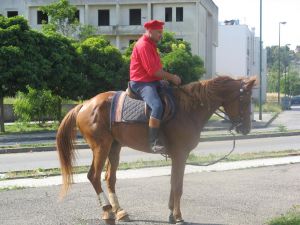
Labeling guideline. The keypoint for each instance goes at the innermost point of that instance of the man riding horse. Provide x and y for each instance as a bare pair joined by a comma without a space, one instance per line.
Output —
146,75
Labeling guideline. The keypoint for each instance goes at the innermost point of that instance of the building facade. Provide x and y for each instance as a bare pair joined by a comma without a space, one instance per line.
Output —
121,21
238,54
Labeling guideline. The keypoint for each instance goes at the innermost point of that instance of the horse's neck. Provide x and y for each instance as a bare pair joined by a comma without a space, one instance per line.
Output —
201,115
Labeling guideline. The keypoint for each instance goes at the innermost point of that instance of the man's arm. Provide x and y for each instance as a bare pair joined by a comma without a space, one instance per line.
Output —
168,76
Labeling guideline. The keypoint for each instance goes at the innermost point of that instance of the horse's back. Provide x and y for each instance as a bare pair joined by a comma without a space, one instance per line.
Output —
94,114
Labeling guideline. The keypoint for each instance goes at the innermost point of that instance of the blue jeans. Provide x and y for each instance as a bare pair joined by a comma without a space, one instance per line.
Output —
148,92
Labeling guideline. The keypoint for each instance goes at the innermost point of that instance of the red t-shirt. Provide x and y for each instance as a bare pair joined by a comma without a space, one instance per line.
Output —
145,61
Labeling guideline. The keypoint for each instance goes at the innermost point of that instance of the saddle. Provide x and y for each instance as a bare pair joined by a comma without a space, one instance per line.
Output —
129,108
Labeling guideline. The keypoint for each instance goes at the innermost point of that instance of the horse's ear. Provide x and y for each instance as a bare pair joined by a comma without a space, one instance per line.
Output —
251,82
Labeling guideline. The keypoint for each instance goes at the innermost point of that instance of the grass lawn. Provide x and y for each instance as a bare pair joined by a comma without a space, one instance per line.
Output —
292,217
29,127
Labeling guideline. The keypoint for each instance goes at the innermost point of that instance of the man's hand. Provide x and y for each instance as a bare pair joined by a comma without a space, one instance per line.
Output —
176,80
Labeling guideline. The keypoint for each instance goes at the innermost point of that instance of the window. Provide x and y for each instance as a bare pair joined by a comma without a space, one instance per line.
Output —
77,15
103,17
12,13
179,14
42,17
168,14
135,17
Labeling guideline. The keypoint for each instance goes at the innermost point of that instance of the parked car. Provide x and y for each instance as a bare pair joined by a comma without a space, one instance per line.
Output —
295,100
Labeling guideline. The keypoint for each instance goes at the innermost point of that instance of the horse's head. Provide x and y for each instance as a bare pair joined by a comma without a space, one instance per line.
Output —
238,105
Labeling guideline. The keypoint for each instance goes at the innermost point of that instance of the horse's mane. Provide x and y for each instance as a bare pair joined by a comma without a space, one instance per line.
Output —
205,92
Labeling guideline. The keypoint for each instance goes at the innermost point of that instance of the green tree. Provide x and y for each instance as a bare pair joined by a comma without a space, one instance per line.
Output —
293,81
287,59
168,39
31,58
36,105
102,65
86,31
14,64
62,18
179,61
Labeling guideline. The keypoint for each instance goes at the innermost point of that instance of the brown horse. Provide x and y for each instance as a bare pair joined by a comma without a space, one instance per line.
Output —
196,102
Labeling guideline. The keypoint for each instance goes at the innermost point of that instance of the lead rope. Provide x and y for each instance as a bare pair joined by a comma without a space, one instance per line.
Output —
220,159
233,146
213,162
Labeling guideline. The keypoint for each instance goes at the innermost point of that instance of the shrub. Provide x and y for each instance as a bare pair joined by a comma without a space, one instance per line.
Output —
36,105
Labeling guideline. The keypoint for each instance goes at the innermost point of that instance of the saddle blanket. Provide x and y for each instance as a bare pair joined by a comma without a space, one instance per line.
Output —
126,109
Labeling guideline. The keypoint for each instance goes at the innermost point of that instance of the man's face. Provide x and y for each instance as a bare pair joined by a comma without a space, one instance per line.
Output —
155,35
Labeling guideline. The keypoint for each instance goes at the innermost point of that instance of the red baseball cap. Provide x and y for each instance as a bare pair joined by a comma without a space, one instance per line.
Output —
154,25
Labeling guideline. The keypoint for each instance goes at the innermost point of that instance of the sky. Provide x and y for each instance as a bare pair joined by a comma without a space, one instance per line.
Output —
273,12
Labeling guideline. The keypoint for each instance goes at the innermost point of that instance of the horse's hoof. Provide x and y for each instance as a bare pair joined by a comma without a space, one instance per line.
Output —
109,221
123,216
171,219
109,217
180,222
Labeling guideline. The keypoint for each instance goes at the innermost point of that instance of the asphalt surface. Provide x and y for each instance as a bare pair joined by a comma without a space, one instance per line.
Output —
239,197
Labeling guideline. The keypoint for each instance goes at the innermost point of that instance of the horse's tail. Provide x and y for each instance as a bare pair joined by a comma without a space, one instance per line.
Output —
65,147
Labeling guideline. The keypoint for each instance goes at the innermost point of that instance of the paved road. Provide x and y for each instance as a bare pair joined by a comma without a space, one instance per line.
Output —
240,197
25,161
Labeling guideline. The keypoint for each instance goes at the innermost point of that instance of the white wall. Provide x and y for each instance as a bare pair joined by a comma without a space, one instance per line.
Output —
238,55
231,54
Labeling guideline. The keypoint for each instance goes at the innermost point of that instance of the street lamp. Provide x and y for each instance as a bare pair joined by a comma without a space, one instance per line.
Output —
279,63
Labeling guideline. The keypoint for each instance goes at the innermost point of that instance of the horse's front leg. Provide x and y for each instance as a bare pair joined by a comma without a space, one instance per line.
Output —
177,173
111,178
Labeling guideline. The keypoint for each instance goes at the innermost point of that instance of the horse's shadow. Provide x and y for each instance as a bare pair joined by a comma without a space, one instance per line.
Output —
139,222
163,222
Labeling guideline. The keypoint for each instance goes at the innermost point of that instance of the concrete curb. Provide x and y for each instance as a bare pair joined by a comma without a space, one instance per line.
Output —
204,139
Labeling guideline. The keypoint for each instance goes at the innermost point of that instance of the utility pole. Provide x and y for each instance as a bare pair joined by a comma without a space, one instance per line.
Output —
260,64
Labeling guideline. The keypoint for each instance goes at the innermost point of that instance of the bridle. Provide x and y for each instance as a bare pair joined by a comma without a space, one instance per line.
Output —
235,123
240,119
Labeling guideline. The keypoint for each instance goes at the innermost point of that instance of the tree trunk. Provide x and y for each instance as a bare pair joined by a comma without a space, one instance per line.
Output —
2,115
59,110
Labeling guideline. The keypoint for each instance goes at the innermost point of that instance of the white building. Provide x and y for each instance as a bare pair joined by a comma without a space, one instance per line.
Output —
238,54
121,21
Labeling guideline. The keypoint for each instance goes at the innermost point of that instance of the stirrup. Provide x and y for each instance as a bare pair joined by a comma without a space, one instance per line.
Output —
157,148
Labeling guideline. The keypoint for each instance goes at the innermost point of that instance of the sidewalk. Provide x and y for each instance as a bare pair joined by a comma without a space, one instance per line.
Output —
155,171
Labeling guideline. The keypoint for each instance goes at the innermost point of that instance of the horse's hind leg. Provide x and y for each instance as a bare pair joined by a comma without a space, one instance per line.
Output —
100,152
110,176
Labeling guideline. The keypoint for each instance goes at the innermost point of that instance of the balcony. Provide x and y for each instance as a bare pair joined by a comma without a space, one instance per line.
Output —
121,30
